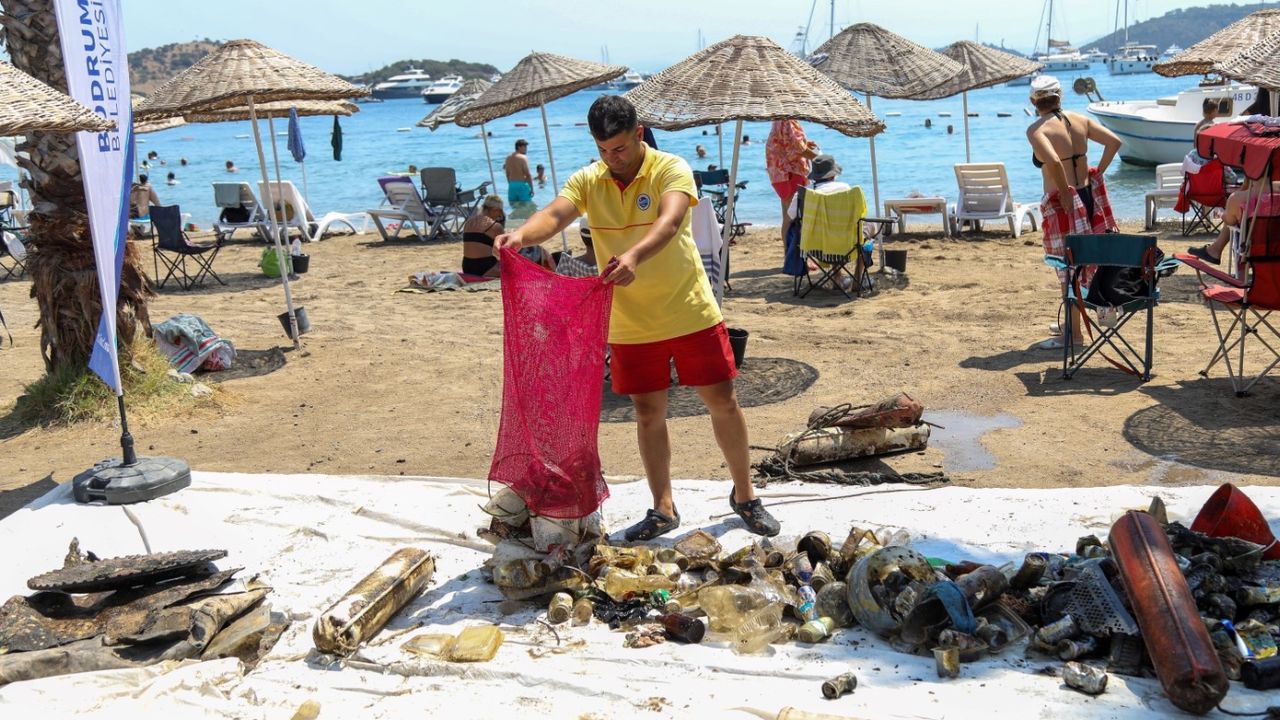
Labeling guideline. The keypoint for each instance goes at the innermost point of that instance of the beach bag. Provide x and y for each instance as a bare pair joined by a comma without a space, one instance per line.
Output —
793,260
554,330
1113,286
270,264
236,215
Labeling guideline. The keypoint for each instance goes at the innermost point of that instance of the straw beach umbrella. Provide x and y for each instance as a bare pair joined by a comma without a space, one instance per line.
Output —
1204,57
1258,65
448,111
983,67
535,81
28,105
746,78
868,59
247,73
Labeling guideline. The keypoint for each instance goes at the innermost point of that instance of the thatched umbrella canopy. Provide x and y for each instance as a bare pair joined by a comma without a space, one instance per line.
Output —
746,78
983,67
246,73
535,81
461,99
28,105
1205,56
150,126
448,111
1257,65
868,59
305,108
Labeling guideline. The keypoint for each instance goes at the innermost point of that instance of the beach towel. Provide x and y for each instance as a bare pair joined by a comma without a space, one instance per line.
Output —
432,282
830,224
189,343
1061,221
554,330
707,238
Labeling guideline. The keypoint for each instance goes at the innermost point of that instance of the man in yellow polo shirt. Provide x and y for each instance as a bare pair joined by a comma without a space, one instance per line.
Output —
637,203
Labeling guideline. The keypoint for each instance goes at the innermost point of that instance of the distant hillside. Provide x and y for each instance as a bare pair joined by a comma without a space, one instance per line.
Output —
435,68
1184,27
150,68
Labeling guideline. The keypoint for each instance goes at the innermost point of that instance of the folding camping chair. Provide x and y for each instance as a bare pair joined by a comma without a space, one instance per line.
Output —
448,202
714,185
842,213
403,204
239,209
1133,294
172,247
12,253
1248,301
1202,193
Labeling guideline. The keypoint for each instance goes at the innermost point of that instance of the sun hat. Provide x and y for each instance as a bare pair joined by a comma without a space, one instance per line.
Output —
1045,85
824,167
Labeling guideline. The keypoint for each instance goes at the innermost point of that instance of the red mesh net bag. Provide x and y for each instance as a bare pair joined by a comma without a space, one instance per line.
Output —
554,330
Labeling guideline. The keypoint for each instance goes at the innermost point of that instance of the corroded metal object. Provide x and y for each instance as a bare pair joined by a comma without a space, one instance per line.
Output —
126,571
824,445
365,609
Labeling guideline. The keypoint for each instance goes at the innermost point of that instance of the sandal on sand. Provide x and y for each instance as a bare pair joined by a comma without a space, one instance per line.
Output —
1202,252
757,519
1053,343
655,523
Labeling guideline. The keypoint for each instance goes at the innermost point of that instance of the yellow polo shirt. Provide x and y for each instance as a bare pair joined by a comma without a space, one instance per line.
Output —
670,295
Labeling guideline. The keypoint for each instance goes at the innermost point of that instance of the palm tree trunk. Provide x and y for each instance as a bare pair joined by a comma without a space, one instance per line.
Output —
60,260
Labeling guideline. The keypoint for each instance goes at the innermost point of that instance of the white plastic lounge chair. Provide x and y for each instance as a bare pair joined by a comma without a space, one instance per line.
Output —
240,210
985,195
402,205
1168,181
292,210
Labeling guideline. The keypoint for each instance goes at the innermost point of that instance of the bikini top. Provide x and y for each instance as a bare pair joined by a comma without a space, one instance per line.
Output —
480,237
1037,162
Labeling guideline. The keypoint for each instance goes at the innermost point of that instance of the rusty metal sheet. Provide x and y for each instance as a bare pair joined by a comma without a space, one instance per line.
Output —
126,571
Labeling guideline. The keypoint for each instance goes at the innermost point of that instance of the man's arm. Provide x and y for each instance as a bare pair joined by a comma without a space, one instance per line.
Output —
671,211
524,162
541,226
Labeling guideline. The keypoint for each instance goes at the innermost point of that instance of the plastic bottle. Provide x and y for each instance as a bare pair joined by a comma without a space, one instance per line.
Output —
758,630
619,582
728,606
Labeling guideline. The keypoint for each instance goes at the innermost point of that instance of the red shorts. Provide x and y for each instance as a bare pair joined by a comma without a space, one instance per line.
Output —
788,187
702,358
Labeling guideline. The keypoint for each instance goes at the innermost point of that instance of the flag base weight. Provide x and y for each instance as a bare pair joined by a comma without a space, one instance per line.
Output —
115,483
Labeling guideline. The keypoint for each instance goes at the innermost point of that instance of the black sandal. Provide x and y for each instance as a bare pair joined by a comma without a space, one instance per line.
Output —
1202,252
654,524
755,516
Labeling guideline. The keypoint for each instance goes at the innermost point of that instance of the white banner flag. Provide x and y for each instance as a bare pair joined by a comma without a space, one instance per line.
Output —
97,64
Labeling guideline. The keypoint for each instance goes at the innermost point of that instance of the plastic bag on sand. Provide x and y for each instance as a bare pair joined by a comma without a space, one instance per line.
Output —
554,334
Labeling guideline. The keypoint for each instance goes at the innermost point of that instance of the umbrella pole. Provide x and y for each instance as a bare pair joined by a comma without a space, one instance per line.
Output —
1275,102
720,139
306,193
551,160
271,223
875,188
965,96
726,232
484,135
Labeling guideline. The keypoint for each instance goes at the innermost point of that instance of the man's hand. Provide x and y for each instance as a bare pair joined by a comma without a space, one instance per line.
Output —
621,270
513,239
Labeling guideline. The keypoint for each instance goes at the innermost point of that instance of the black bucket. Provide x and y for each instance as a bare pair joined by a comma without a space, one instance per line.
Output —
304,325
738,341
300,263
896,259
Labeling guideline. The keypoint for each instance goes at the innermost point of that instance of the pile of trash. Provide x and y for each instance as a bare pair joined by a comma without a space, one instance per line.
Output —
1153,599
133,611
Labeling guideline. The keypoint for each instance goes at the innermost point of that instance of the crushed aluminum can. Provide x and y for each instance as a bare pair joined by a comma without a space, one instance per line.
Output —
560,608
816,544
1074,649
1087,679
822,576
839,685
583,609
1050,635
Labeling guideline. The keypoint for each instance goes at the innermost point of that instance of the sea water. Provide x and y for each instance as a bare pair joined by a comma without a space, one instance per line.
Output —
383,138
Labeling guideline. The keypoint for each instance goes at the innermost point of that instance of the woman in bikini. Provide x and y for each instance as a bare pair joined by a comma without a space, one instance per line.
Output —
477,238
1059,147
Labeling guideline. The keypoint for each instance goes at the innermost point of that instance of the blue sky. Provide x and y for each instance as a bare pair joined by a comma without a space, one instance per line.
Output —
354,37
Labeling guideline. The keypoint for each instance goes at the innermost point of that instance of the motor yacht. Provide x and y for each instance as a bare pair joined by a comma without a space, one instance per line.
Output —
1170,51
1132,59
408,84
442,89
629,80
1160,131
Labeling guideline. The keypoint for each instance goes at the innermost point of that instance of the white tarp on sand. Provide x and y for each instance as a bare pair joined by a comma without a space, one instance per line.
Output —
313,536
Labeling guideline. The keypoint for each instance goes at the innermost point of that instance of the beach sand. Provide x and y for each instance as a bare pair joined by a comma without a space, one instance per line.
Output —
408,383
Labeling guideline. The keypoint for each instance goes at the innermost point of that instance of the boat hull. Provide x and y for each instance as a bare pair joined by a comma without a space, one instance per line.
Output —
1131,66
435,98
397,93
1146,141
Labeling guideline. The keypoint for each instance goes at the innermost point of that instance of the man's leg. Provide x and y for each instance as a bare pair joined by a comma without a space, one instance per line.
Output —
655,447
730,427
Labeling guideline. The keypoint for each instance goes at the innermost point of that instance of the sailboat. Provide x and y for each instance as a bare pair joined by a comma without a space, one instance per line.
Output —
1059,55
1132,58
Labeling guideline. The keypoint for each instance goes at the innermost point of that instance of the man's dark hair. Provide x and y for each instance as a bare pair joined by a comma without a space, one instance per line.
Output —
1209,104
610,115
142,179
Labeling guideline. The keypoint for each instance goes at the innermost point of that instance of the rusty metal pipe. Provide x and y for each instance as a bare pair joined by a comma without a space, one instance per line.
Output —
1176,639
360,613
